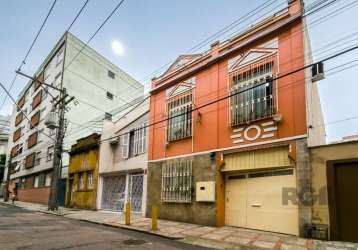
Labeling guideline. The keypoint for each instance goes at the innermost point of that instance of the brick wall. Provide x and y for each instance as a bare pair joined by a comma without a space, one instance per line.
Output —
35,195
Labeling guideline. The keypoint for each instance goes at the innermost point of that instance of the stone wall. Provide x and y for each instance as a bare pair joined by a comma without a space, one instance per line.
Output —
203,213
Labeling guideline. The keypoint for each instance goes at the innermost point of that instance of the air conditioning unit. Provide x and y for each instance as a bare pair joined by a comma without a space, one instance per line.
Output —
114,141
317,72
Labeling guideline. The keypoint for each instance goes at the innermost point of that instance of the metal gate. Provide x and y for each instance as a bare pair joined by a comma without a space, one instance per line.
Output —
135,193
114,190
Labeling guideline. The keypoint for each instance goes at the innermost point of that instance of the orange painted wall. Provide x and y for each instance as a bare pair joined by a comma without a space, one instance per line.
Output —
213,131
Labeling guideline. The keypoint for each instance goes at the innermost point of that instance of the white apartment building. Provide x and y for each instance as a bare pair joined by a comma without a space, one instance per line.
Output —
98,86
123,161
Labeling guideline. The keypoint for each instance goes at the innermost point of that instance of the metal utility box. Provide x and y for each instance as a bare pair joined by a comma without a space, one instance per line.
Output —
205,191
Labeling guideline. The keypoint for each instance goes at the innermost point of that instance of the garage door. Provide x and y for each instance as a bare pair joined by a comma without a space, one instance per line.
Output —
254,200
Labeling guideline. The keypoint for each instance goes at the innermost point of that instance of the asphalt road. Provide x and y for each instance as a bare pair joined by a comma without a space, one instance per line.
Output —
21,229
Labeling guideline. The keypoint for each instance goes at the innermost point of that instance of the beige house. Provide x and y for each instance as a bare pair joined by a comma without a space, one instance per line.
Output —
123,161
335,188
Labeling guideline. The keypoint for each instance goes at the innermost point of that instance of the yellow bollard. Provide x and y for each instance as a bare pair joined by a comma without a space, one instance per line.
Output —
154,218
127,213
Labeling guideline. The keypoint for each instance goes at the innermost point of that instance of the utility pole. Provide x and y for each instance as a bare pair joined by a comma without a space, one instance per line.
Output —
7,193
58,148
60,105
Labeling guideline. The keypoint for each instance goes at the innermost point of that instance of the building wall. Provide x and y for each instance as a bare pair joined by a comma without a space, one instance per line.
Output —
319,157
204,213
80,164
88,70
87,79
111,160
212,83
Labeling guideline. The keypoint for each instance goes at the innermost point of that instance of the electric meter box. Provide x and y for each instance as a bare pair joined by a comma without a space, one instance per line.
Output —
205,191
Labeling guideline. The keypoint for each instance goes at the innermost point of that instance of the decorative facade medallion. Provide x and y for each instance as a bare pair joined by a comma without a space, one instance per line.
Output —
254,132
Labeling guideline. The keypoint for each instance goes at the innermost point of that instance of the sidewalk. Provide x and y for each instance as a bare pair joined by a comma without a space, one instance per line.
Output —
211,237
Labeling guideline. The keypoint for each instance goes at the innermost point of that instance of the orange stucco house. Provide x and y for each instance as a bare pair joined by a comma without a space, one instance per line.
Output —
229,140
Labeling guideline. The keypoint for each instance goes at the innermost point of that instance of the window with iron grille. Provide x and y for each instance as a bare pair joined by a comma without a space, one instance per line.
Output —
177,181
179,117
252,100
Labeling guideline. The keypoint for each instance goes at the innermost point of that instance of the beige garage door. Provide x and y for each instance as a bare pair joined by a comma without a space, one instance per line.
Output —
254,201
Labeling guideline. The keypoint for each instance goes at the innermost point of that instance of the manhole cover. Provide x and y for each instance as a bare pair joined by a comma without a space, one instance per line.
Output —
133,242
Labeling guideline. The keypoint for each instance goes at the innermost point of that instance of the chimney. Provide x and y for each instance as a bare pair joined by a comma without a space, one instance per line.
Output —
215,48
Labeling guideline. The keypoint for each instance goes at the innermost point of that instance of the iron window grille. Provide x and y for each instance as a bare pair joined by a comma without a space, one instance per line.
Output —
179,117
258,101
140,139
177,181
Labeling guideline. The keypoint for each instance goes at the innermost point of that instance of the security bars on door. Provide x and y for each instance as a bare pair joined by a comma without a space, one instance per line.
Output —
258,102
177,181
179,127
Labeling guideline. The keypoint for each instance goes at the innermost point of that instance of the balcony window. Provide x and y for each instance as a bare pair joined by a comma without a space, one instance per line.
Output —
179,117
90,180
252,100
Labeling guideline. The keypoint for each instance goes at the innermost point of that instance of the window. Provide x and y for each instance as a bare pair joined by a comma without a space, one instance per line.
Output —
109,95
32,141
35,119
81,181
36,181
37,100
179,117
59,57
17,135
37,158
30,160
108,116
19,118
111,74
48,179
256,102
140,139
90,180
177,181
49,154
57,79
125,145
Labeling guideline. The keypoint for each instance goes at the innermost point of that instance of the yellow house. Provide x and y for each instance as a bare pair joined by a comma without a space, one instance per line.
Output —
81,189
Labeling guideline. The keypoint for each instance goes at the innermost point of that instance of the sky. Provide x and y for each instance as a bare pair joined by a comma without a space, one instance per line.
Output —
153,33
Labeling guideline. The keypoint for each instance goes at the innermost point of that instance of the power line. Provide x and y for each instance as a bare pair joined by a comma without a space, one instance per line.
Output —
242,91
29,50
96,32
314,23
78,14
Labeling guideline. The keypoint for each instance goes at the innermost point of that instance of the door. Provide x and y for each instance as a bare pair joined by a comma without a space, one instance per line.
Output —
113,196
346,202
135,192
254,200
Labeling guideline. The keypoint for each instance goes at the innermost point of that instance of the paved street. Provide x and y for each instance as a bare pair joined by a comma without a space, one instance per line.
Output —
21,229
